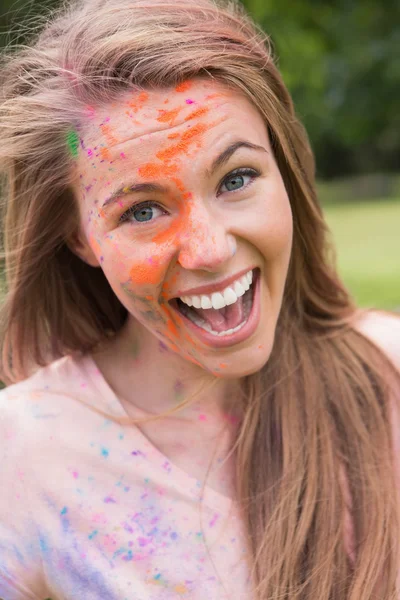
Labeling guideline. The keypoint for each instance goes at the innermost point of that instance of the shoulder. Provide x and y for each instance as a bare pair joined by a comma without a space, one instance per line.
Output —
49,393
383,329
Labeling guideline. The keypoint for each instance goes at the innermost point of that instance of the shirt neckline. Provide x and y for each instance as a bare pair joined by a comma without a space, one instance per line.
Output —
184,481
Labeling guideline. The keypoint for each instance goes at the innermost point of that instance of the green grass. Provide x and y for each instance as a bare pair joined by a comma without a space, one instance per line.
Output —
367,238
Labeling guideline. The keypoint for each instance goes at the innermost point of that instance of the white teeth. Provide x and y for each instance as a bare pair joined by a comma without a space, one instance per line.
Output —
239,289
230,296
229,331
245,282
206,302
218,300
187,300
195,300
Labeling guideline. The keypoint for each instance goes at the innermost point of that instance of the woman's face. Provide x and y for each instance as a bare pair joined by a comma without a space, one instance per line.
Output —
185,210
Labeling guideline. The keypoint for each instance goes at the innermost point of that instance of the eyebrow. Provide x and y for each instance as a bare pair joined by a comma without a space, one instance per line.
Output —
229,151
152,187
135,188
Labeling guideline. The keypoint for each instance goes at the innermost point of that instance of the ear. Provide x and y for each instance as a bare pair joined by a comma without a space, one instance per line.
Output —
79,245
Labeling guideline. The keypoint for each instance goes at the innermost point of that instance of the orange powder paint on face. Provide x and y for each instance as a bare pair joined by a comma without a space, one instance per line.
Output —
179,185
139,102
213,96
184,86
172,231
154,170
108,134
105,154
194,361
200,112
95,246
172,328
178,225
144,274
189,137
191,340
169,116
174,136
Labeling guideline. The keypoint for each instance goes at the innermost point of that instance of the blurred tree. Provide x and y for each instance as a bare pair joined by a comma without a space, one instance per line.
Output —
340,60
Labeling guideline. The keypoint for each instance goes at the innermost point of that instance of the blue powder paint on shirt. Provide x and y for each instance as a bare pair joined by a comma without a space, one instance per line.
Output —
64,511
128,556
92,535
43,544
82,577
104,452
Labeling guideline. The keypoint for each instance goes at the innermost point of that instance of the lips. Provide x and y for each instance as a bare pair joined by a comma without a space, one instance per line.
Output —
231,336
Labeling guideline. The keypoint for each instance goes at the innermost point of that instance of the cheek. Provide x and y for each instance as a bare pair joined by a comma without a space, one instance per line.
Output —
135,269
270,228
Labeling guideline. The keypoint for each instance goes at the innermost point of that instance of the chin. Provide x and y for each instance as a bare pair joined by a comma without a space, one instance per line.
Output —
247,363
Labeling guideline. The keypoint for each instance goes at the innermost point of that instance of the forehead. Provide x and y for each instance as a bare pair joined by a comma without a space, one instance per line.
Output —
153,115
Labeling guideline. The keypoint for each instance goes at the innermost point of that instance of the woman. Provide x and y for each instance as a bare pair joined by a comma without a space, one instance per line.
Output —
198,408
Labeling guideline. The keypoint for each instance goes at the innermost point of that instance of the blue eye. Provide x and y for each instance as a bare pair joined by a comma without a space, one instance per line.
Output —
142,213
237,179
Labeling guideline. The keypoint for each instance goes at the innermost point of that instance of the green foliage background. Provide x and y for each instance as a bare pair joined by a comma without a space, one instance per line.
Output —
341,61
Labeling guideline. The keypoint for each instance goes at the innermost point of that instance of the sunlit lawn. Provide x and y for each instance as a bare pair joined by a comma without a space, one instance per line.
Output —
367,237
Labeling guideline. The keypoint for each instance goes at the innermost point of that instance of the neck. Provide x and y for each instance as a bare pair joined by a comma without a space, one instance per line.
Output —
143,372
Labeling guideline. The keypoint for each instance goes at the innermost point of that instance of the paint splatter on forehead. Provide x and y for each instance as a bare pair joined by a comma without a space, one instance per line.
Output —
118,126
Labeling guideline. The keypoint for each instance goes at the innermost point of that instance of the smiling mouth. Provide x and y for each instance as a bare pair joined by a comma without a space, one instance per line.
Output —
226,320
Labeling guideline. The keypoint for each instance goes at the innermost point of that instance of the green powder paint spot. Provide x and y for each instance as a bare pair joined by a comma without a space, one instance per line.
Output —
135,349
73,142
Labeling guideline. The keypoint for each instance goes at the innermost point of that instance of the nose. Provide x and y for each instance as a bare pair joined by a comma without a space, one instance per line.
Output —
206,244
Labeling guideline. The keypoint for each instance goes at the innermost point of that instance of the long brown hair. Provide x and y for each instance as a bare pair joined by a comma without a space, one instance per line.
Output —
315,443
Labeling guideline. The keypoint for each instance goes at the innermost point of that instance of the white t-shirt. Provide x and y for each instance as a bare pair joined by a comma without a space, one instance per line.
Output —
90,509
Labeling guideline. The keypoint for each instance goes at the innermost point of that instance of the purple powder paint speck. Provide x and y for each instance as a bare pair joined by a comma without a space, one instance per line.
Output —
162,347
136,453
213,520
189,101
110,500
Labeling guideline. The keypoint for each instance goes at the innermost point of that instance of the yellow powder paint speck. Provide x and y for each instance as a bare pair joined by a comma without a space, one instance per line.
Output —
180,588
